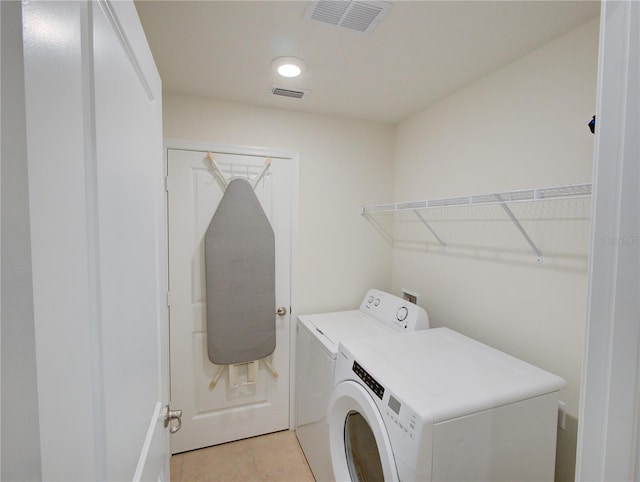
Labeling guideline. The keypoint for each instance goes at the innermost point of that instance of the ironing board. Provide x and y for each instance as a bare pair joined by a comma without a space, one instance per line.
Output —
240,278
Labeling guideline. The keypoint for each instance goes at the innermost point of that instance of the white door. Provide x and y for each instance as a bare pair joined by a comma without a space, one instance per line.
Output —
97,201
223,413
130,210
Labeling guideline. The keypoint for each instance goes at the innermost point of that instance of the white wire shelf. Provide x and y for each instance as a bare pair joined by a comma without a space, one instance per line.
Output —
504,200
570,191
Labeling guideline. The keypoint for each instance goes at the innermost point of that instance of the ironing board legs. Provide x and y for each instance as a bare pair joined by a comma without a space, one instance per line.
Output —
217,377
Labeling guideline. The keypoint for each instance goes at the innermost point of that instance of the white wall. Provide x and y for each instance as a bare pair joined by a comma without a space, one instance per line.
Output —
523,126
343,163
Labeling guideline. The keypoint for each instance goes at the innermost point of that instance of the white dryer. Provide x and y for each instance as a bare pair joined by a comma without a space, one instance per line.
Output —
317,339
435,405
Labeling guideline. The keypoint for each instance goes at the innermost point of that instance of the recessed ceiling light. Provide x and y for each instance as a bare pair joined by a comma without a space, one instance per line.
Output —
289,70
288,66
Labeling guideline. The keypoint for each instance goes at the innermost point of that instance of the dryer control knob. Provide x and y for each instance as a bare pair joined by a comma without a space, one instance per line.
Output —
402,313
370,299
377,302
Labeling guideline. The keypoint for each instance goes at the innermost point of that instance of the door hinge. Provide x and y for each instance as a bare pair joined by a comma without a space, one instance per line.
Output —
166,183
168,298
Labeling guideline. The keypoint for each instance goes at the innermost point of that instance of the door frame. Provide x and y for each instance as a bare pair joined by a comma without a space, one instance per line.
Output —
609,430
294,157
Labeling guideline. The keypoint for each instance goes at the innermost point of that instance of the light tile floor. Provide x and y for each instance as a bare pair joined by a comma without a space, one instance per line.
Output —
275,457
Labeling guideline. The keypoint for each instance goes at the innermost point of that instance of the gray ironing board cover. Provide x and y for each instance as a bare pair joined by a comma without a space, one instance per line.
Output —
240,278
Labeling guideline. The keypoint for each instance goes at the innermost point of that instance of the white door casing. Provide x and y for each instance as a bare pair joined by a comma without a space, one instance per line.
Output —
94,136
224,413
609,431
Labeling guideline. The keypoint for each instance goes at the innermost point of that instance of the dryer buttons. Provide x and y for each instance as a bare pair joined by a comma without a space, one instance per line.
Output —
404,422
368,380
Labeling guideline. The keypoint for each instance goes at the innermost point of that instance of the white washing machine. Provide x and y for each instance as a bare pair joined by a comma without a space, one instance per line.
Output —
435,405
317,339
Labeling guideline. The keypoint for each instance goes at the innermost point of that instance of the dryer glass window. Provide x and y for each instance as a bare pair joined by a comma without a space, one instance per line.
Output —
363,457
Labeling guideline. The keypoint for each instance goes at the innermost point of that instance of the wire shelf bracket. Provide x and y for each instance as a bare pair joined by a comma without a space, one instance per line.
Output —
426,223
517,224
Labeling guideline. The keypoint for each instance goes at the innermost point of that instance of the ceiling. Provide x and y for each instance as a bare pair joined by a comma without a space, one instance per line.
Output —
421,51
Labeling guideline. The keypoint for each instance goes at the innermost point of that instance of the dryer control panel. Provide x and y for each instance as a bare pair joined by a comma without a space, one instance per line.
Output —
394,311
371,382
400,417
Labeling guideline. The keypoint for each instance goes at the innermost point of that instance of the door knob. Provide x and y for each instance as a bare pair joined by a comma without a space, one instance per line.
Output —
172,415
281,311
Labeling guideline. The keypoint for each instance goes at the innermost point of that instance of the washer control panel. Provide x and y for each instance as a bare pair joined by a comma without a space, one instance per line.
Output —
395,312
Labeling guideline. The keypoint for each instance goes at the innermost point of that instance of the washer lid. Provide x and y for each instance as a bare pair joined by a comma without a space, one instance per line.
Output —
332,328
443,374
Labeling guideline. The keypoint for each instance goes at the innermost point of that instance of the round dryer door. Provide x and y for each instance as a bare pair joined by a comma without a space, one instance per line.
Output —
359,444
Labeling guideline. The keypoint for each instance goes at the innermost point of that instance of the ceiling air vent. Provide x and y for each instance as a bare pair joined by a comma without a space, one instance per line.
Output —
284,92
359,16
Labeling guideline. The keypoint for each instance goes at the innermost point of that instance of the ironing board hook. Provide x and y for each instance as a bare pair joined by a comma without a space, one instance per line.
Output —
224,182
267,163
215,170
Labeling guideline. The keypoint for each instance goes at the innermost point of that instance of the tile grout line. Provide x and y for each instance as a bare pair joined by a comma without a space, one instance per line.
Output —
253,460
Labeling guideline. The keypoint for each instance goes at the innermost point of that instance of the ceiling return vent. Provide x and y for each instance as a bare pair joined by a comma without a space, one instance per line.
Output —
359,16
293,93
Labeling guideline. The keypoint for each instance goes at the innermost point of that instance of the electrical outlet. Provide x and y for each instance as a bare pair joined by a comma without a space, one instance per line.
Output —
410,296
562,414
